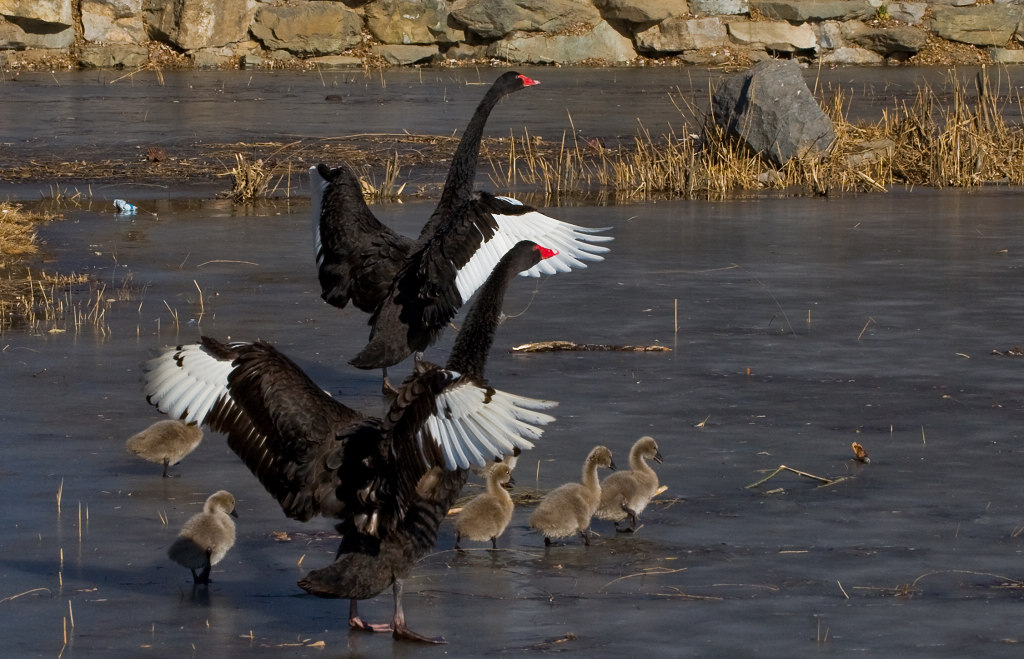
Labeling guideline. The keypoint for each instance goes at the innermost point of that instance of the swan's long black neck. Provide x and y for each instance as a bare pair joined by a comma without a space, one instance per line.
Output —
458,186
469,354
459,183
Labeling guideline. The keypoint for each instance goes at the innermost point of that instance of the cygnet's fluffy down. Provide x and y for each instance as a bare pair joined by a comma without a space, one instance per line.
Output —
206,537
626,493
165,442
486,516
567,509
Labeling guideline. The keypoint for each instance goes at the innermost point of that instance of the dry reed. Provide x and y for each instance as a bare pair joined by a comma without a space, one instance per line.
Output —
962,141
251,180
388,189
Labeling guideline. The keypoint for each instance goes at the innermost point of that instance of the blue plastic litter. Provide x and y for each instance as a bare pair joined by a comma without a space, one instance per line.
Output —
124,208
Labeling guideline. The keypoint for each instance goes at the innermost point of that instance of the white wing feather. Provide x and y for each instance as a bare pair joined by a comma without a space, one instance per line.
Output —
575,244
472,428
186,383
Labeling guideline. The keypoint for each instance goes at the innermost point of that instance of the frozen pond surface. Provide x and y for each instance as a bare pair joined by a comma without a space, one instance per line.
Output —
804,325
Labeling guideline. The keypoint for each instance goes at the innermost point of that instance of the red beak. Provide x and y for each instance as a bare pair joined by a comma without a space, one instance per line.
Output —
546,253
528,81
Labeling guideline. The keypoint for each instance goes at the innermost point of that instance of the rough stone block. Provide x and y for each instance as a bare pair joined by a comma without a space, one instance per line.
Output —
771,109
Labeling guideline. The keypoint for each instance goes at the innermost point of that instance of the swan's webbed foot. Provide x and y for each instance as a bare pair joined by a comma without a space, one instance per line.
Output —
360,624
355,622
403,633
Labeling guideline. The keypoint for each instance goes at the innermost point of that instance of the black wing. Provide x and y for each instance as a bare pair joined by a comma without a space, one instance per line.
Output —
357,256
285,428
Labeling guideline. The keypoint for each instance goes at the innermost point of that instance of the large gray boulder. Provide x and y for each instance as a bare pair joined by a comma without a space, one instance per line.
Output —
411,22
193,24
770,108
310,28
494,19
985,25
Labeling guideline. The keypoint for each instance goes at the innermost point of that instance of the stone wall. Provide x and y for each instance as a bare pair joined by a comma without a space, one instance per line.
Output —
280,33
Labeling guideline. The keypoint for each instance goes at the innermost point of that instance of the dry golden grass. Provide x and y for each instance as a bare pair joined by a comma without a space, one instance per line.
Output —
251,180
17,232
388,189
962,142
43,302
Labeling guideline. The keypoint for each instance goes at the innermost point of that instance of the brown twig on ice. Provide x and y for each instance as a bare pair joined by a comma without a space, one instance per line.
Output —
782,468
554,346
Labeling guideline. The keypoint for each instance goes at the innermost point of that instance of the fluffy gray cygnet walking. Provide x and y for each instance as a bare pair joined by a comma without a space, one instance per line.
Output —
487,515
165,442
626,493
206,537
568,509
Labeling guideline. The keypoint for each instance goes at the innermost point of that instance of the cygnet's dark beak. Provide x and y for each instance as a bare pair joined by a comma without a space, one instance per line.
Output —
657,457
234,513
511,483
612,465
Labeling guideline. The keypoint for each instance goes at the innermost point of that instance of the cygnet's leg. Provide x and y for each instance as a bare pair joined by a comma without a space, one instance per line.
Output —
400,630
494,542
458,538
586,537
632,519
355,622
204,576
167,463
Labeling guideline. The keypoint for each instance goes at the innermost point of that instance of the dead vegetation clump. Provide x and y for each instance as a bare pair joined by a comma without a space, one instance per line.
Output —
42,302
251,180
17,233
26,299
388,188
964,143
961,139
